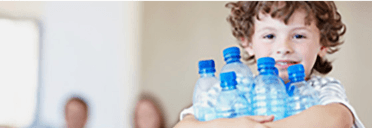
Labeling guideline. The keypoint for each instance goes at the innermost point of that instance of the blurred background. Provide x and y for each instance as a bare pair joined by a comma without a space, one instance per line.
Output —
110,53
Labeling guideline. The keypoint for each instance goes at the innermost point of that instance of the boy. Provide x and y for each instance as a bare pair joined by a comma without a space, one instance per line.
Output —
292,33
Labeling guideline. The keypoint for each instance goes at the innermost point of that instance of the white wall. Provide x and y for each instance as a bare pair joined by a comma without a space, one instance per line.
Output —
90,48
353,62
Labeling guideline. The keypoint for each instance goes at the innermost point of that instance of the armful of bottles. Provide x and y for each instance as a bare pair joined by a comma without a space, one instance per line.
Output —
238,93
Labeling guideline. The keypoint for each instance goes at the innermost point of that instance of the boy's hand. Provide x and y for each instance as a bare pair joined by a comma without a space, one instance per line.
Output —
241,122
251,121
260,119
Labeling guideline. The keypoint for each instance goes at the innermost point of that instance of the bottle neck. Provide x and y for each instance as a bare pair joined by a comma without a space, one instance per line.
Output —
267,70
206,74
295,87
228,88
232,60
228,85
296,79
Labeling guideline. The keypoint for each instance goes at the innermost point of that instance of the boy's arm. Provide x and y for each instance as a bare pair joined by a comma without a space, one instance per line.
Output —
242,122
334,115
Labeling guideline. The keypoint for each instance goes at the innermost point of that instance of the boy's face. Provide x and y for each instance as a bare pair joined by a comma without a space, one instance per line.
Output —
294,43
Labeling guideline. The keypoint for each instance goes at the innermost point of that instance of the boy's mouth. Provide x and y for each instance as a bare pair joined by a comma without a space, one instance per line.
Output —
284,64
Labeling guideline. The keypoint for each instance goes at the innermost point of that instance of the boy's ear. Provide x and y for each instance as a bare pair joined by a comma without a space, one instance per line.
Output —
247,46
323,51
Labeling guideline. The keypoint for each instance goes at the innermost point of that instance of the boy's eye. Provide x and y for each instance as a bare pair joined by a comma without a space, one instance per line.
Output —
269,36
298,36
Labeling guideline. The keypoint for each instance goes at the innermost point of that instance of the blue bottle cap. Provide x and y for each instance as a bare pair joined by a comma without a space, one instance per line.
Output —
231,52
265,62
296,71
228,80
206,66
277,72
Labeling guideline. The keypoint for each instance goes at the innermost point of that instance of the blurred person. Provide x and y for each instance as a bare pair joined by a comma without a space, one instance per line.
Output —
76,113
148,113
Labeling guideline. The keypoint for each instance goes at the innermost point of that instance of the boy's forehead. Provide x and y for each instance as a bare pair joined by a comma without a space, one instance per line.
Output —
297,18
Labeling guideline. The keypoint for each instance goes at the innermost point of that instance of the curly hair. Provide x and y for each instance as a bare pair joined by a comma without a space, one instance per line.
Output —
325,14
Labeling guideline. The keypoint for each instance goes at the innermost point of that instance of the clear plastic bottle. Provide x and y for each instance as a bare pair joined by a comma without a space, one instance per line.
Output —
244,75
229,103
277,73
302,95
203,100
269,94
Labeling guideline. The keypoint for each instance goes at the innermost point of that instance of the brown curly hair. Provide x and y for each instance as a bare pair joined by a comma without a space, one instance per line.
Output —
325,14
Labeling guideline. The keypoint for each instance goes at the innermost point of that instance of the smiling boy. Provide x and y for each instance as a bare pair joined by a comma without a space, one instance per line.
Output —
292,33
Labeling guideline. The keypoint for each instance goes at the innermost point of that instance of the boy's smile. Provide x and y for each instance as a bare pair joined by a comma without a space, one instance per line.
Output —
288,44
284,64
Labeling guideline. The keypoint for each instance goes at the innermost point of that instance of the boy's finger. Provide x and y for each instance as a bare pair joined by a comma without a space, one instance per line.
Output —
262,119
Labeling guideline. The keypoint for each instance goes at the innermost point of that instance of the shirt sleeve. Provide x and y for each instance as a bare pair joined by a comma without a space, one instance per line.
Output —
332,91
186,111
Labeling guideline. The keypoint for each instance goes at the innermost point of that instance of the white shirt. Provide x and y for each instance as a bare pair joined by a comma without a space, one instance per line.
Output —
330,90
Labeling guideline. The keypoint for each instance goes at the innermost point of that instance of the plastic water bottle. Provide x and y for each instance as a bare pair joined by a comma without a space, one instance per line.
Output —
244,75
302,95
269,94
203,100
229,103
277,73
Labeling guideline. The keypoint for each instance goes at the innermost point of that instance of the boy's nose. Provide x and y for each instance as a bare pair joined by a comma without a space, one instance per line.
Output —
283,51
284,48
